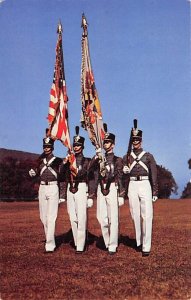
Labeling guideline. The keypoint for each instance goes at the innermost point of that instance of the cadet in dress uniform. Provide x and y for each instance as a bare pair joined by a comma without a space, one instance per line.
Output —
48,171
110,193
143,189
77,193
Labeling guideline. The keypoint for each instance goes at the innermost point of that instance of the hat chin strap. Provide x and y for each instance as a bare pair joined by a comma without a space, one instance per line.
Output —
49,151
110,148
137,145
78,151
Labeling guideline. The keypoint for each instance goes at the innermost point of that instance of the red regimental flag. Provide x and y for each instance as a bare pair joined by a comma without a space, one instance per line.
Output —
58,105
73,167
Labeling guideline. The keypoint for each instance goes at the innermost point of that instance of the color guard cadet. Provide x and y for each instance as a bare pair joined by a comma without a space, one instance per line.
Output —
48,171
143,189
110,192
77,193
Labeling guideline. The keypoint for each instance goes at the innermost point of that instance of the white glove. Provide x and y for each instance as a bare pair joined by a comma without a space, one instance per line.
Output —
98,151
65,160
126,170
155,198
90,202
107,168
120,201
32,173
61,201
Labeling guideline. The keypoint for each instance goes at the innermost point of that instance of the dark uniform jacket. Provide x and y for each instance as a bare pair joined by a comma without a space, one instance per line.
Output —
82,175
139,170
48,175
114,173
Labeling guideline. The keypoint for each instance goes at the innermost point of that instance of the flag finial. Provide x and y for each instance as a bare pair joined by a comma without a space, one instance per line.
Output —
135,123
59,28
105,127
84,21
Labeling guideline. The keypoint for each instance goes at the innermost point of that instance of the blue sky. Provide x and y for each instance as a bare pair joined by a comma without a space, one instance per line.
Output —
140,53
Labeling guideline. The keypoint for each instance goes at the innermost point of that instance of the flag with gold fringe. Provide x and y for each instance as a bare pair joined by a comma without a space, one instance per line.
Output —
91,116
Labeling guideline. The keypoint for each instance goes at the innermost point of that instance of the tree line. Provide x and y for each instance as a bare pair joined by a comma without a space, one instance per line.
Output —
16,184
187,190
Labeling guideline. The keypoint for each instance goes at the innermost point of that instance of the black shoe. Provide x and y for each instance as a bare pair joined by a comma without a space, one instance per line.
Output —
111,252
144,254
138,248
79,252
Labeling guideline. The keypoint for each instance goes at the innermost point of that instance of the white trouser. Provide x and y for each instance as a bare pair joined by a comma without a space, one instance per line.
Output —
48,206
107,215
77,210
140,203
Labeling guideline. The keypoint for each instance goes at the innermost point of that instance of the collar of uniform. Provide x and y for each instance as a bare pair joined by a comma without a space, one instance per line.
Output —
109,154
79,154
137,151
48,157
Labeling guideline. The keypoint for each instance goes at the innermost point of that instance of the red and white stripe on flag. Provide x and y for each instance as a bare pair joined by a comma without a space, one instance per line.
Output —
58,117
58,110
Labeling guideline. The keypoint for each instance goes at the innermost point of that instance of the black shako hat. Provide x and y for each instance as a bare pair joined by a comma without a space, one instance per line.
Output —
110,137
48,142
136,134
77,139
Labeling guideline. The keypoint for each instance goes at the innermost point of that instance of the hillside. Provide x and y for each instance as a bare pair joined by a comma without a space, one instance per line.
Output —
167,184
20,155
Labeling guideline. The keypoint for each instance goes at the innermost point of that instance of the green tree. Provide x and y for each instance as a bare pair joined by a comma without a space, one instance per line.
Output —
189,163
187,190
15,180
166,183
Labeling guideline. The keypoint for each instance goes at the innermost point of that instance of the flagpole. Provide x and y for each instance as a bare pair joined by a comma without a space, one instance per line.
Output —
70,148
60,31
91,110
58,105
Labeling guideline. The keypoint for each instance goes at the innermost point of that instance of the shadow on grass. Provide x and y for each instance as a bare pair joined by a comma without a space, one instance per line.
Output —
126,241
67,238
100,243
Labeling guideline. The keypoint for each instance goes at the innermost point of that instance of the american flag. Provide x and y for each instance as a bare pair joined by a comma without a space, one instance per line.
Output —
91,117
58,109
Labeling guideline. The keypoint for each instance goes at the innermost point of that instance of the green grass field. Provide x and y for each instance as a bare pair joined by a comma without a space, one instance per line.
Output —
28,273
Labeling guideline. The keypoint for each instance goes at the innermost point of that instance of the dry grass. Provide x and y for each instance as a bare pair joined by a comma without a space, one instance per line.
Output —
28,273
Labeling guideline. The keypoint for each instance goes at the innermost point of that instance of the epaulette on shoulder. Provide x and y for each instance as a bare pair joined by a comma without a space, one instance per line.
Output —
117,158
41,157
58,159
